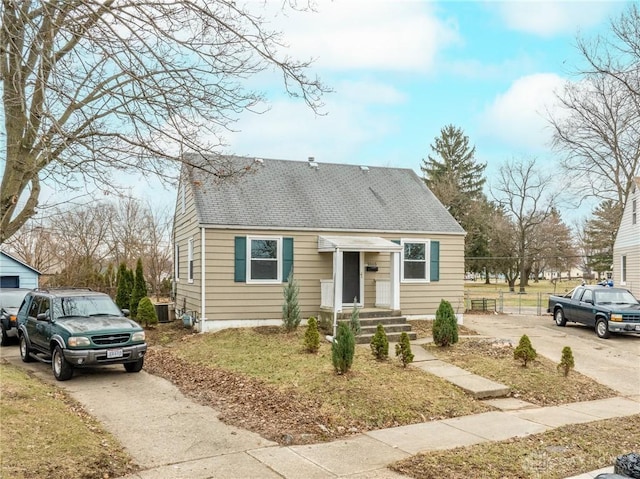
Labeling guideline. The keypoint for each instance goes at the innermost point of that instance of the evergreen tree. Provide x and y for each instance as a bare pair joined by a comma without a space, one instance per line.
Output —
146,314
123,292
343,348
312,336
403,349
139,290
354,322
567,362
600,234
380,344
525,352
445,326
290,308
456,179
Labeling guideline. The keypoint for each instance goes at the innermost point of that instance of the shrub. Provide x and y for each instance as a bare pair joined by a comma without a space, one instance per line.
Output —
403,349
445,326
290,308
524,352
380,344
146,312
566,362
354,323
343,349
312,336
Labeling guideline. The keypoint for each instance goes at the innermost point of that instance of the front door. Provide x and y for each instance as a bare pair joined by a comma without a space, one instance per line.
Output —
350,277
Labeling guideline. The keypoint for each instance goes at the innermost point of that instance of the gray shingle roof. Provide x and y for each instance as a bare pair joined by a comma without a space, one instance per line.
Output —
293,194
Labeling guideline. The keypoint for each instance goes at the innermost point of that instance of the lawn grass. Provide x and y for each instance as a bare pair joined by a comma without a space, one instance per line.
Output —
539,383
556,454
44,433
535,293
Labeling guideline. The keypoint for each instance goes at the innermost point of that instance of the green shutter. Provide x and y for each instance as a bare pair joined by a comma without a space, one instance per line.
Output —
287,258
434,272
240,259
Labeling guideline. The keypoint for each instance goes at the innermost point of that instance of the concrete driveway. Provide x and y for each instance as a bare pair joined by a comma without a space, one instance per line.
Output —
614,362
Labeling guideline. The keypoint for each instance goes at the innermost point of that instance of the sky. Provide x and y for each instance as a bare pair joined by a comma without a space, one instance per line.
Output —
401,70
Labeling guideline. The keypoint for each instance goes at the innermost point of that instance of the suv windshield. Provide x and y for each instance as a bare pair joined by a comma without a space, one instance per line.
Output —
85,306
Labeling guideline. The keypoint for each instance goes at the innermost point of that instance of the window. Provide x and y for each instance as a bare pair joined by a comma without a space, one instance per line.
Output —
420,260
623,270
190,261
177,263
414,261
264,259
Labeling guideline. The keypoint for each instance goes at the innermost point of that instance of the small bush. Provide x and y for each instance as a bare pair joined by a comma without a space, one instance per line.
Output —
445,326
343,349
354,323
524,352
403,349
380,344
146,312
566,362
290,308
312,336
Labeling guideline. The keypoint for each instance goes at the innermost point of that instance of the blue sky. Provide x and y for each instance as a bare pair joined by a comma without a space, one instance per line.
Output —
403,69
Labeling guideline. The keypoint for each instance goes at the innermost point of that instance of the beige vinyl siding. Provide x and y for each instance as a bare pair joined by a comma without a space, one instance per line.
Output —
186,228
228,300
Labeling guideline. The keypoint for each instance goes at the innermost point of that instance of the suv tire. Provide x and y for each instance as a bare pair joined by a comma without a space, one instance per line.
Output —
62,369
25,350
134,367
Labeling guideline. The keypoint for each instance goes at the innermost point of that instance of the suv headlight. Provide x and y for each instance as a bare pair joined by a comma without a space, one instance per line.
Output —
616,317
78,341
138,336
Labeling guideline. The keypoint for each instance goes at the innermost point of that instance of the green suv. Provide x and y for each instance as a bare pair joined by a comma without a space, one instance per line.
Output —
78,327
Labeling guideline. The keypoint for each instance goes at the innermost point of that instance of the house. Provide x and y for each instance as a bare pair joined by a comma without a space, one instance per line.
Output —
375,237
17,274
626,249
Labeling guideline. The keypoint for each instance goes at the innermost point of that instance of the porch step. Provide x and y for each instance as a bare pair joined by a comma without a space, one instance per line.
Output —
371,313
393,326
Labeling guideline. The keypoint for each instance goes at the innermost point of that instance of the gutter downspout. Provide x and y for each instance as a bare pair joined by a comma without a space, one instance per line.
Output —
336,252
203,301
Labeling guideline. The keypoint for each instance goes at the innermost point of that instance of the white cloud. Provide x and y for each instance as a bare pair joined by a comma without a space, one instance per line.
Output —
517,117
549,18
368,34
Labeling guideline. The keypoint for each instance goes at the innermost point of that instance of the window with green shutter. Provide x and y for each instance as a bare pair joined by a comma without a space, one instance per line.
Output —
420,260
263,259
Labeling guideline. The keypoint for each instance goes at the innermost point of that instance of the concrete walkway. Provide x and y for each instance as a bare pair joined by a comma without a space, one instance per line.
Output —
172,437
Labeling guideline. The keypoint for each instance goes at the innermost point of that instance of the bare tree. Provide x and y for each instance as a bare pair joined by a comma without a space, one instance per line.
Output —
158,255
598,127
522,192
35,245
90,86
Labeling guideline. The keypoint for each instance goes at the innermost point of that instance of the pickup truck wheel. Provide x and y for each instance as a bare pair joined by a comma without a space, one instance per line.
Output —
134,367
558,315
25,350
602,328
62,369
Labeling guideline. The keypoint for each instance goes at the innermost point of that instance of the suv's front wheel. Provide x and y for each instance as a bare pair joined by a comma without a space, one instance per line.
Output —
134,367
25,350
62,369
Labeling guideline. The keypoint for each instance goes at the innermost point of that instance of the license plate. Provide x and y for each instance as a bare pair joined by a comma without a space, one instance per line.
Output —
638,327
114,353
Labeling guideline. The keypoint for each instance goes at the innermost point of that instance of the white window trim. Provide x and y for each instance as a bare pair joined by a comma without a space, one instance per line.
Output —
427,258
278,239
190,263
623,270
176,265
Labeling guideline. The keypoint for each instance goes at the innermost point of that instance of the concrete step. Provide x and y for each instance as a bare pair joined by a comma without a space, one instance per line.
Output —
365,338
370,313
388,328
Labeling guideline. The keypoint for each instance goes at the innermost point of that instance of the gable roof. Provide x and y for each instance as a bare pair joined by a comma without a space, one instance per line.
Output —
16,260
296,195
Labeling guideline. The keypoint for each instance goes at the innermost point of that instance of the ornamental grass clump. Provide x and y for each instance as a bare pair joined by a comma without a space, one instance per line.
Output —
380,344
566,361
343,349
312,336
524,352
445,326
403,349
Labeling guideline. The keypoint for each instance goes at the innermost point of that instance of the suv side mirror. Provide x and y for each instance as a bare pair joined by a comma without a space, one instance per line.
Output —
125,313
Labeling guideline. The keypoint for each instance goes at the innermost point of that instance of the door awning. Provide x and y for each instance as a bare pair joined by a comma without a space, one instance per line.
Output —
356,243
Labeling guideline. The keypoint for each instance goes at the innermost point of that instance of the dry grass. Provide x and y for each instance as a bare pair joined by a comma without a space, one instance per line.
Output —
47,434
556,454
534,293
539,383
